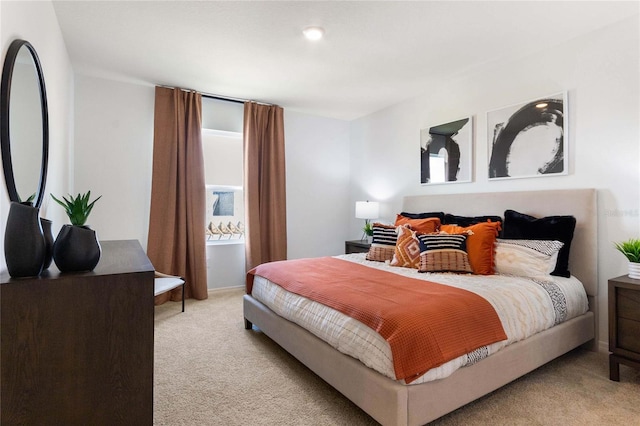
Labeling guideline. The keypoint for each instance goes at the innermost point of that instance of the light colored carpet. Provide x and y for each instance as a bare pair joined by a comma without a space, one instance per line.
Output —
209,370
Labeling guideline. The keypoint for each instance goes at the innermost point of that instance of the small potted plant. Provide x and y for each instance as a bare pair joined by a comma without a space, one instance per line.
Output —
368,231
631,250
76,248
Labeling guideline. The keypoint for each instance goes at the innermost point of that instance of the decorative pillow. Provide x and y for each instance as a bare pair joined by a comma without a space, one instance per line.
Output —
450,219
383,243
422,226
526,258
480,244
559,228
443,253
407,252
439,215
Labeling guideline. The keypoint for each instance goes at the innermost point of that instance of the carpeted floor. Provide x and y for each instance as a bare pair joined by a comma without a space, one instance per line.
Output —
209,370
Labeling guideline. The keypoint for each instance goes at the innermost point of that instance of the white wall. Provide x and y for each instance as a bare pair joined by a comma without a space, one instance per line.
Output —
317,154
599,71
36,22
114,155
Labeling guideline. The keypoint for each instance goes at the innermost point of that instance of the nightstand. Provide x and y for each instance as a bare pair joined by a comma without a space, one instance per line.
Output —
356,246
624,324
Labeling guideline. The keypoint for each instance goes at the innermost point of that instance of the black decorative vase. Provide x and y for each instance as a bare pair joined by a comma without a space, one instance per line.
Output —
48,242
76,249
24,245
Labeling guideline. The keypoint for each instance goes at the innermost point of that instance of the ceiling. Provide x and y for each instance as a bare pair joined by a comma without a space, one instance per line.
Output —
373,55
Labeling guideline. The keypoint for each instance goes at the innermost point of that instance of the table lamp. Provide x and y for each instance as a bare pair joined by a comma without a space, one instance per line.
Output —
367,210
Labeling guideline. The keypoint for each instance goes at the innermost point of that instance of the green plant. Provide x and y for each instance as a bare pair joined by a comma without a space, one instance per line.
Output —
77,208
368,228
28,200
630,248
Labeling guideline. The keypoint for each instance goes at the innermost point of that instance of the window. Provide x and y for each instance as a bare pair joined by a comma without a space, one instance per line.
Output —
223,157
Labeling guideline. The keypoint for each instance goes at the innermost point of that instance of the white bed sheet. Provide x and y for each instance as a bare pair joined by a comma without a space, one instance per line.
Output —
525,307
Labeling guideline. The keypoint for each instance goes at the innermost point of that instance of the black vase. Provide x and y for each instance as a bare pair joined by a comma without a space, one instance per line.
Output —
76,249
24,244
48,242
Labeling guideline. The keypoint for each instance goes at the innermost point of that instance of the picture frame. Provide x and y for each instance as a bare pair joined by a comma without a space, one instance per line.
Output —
529,139
446,152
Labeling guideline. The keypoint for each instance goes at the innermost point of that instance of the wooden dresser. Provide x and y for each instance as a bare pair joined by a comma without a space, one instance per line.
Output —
77,348
624,324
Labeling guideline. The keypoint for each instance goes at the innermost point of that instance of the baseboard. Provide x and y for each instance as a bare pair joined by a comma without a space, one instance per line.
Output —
224,289
603,347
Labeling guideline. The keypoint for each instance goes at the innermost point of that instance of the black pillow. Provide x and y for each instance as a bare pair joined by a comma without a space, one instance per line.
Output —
560,228
464,221
439,215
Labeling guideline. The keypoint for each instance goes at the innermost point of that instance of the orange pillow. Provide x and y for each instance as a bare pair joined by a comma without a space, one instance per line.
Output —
421,226
480,244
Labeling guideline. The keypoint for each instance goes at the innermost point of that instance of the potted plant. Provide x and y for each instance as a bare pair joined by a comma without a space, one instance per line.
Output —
631,250
368,231
76,248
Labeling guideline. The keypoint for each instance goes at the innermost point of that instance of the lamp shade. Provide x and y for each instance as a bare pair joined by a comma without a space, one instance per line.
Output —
367,209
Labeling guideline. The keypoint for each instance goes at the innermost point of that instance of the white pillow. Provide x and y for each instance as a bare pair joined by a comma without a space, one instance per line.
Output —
526,258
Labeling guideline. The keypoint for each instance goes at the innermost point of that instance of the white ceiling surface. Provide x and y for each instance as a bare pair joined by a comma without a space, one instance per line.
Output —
374,54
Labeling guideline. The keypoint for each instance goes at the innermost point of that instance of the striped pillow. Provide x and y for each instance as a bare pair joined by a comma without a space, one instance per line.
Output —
383,244
526,258
444,253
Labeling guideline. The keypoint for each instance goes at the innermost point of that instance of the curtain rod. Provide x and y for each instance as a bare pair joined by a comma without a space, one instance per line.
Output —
229,99
222,98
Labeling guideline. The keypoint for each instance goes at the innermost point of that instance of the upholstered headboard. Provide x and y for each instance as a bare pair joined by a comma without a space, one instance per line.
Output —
581,203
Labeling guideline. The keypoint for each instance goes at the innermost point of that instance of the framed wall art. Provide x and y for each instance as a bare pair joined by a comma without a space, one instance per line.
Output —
446,152
529,139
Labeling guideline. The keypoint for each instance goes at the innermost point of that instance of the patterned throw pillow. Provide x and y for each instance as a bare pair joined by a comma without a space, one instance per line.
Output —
407,253
444,253
383,243
526,258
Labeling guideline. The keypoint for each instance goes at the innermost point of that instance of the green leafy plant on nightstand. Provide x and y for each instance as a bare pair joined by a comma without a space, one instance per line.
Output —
630,248
368,229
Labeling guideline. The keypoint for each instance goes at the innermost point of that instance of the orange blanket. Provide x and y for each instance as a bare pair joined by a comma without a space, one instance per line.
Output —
425,323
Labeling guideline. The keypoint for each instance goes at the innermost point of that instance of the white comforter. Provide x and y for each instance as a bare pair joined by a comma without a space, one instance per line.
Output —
525,306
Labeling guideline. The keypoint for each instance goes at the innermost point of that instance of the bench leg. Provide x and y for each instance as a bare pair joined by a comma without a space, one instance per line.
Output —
183,297
247,324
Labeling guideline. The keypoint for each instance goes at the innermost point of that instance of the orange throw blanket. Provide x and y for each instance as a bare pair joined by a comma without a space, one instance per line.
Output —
425,323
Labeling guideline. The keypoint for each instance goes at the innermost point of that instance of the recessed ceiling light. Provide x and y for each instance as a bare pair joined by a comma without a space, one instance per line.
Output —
313,33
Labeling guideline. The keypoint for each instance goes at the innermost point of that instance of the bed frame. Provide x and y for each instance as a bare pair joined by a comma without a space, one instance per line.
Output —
392,403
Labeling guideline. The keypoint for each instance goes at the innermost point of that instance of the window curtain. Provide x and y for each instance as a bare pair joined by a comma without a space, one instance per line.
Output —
264,180
176,243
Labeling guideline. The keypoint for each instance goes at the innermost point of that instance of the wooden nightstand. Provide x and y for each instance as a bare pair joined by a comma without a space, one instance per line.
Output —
356,246
624,324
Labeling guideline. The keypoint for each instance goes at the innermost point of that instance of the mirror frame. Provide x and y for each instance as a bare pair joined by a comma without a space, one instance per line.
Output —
5,134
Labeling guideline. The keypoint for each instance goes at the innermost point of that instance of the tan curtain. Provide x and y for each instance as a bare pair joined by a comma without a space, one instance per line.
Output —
264,181
176,242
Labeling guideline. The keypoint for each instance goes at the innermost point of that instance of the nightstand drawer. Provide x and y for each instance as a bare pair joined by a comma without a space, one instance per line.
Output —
629,335
628,304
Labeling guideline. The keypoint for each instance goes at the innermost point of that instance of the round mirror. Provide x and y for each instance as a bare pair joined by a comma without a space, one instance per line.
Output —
24,126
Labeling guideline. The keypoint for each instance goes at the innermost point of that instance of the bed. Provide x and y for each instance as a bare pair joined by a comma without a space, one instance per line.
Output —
392,402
